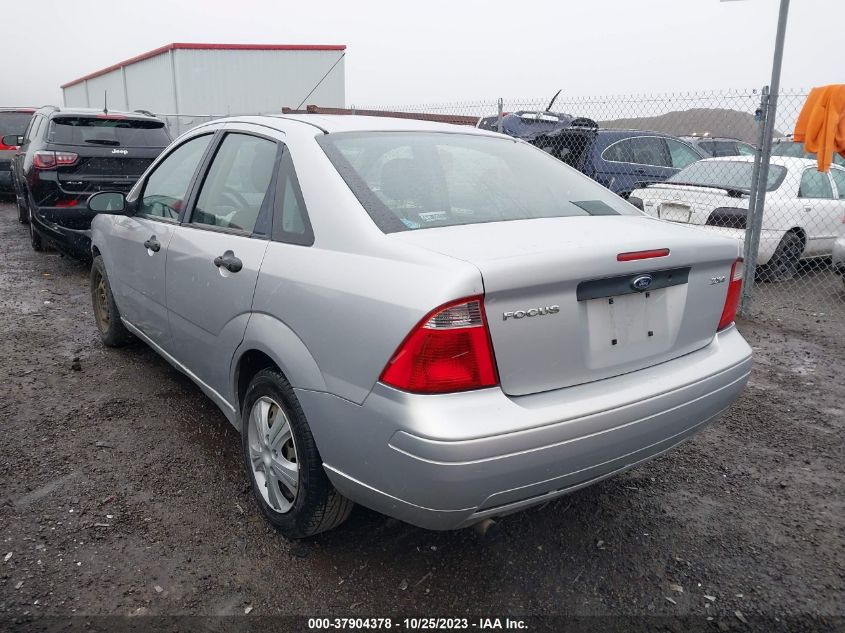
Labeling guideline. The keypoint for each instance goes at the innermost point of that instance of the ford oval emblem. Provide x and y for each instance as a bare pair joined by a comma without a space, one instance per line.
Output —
643,282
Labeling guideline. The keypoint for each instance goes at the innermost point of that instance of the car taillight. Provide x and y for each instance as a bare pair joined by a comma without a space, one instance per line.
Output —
734,293
47,160
5,147
449,350
67,203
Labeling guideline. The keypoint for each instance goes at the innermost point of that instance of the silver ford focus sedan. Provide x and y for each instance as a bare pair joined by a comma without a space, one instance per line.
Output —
442,324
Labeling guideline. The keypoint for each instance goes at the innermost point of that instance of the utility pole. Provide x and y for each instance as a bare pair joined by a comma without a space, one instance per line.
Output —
752,246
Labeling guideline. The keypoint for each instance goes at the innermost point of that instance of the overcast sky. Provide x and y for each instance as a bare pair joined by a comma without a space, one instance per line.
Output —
403,53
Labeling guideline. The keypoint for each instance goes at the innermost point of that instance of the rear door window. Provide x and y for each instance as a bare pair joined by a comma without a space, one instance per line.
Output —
109,131
237,183
815,184
681,154
839,178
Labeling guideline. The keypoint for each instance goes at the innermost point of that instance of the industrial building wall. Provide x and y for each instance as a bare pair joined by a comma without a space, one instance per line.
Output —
75,95
149,84
113,84
210,83
256,81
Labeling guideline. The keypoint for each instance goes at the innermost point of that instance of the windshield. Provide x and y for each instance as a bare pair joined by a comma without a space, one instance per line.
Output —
725,174
417,180
110,131
14,122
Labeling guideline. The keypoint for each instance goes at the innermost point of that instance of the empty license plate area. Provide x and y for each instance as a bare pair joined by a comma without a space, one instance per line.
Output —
624,331
674,212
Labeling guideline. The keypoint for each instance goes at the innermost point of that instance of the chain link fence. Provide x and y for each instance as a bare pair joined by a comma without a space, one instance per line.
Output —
688,158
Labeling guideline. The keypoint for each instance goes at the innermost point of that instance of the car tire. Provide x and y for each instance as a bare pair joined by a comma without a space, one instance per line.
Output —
34,236
23,212
273,460
784,263
106,315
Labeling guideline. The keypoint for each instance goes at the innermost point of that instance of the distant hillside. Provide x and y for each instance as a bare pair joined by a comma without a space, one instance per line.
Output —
716,121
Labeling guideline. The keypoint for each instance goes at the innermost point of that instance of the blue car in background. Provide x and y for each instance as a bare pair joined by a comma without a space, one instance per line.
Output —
621,160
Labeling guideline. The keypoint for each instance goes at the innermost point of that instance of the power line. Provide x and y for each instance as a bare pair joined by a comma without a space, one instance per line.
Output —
321,80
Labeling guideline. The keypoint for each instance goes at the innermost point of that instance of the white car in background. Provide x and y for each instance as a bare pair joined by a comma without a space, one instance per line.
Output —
803,213
839,252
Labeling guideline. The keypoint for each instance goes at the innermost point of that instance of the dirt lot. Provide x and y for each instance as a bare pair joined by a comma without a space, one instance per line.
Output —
122,493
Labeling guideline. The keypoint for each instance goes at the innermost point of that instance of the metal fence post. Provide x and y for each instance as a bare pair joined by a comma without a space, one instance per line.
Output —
748,281
499,121
765,158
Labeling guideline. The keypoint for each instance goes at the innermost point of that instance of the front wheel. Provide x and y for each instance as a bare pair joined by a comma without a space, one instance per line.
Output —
106,315
282,462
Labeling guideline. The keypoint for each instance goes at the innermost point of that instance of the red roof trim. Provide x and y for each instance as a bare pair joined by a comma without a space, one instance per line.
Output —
209,47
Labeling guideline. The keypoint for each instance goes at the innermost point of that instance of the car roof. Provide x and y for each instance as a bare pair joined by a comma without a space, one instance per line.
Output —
21,110
136,114
332,123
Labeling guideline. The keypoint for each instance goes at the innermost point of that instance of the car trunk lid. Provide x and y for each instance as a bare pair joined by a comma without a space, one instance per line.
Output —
562,310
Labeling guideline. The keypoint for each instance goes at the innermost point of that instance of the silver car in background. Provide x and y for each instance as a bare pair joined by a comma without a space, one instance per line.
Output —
440,323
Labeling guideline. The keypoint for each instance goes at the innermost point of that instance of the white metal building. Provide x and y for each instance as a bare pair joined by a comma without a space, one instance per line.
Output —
192,83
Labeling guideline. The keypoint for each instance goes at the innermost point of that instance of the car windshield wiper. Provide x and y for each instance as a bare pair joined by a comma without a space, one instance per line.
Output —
101,141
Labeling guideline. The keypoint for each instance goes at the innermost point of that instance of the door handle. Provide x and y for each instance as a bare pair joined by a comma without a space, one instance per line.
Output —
228,261
153,244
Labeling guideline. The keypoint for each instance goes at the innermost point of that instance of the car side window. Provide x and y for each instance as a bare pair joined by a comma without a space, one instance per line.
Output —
745,149
36,126
167,187
27,135
640,150
815,184
237,183
706,147
291,223
681,154
838,176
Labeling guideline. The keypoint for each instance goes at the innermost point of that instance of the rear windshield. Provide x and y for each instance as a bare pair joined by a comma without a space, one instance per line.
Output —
112,132
796,150
725,174
418,180
14,122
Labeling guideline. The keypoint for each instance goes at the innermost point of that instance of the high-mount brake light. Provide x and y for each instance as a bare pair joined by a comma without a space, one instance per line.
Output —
637,255
449,350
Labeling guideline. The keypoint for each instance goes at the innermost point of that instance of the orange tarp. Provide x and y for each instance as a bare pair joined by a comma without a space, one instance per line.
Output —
821,124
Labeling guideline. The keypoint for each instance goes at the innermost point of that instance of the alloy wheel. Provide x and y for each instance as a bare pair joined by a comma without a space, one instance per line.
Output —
272,454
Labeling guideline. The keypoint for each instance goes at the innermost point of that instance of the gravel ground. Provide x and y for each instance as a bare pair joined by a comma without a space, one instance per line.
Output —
122,493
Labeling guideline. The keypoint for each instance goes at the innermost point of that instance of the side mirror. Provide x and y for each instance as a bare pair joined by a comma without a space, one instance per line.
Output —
112,202
12,140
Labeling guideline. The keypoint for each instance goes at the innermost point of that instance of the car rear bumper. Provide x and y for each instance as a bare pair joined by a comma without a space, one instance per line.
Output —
68,229
448,461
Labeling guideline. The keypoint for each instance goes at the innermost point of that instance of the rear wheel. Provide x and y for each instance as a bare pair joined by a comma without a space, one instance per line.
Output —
106,315
784,263
34,235
23,212
282,462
